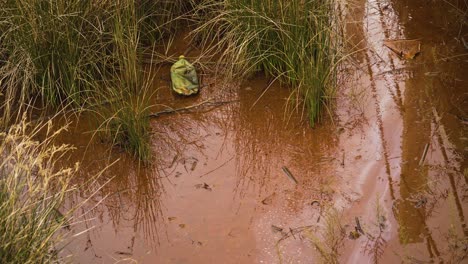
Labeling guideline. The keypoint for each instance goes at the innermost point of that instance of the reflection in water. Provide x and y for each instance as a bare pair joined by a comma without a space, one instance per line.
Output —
426,186
265,142
233,152
217,186
405,104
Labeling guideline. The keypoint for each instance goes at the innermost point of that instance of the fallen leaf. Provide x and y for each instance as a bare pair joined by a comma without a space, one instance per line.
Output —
203,186
405,48
268,200
276,229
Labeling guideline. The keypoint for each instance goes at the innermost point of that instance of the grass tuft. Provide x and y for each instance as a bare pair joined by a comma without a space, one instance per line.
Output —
33,189
297,40
81,53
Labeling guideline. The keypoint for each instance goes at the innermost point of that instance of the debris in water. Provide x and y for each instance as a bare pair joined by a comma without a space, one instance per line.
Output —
292,232
203,186
289,174
268,200
405,48
423,157
276,229
182,225
358,226
315,202
464,42
382,221
190,164
171,218
123,253
194,165
209,103
421,202
198,243
354,235
431,74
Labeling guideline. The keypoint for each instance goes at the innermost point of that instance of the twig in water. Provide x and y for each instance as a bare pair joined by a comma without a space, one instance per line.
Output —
292,232
207,102
358,226
226,162
423,157
289,174
286,235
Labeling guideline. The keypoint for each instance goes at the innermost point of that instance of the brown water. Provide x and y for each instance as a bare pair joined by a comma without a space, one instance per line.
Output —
217,192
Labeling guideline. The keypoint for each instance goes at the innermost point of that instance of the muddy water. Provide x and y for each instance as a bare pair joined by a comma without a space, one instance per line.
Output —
413,208
217,191
218,184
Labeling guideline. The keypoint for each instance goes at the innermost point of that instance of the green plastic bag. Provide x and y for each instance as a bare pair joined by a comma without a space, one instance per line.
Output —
184,77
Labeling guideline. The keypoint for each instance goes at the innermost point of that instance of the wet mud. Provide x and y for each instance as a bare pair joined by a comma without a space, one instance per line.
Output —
248,181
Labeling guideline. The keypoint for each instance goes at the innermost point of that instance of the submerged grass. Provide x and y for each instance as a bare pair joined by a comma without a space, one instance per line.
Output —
295,40
329,243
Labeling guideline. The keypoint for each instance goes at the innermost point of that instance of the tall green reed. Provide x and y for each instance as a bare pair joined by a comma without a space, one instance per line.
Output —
78,53
297,41
125,120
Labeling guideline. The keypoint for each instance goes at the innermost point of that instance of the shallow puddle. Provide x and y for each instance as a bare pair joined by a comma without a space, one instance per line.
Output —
247,181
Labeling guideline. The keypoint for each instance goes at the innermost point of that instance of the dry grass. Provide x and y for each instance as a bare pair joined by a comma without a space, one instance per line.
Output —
330,240
33,189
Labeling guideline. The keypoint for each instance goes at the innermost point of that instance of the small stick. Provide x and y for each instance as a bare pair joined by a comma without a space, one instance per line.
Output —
206,102
292,233
464,42
423,157
358,226
289,174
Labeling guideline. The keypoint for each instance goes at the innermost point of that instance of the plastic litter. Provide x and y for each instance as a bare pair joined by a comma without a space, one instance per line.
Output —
184,77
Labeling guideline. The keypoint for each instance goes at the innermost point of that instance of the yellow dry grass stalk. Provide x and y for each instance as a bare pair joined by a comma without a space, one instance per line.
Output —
33,189
330,240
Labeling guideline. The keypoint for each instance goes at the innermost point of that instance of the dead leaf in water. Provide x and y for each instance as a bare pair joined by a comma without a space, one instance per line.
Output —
171,218
203,186
405,48
276,229
123,253
354,235
194,165
182,225
268,200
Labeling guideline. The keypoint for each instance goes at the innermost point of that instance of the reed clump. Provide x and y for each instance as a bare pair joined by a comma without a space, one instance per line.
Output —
33,189
79,53
124,119
295,41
